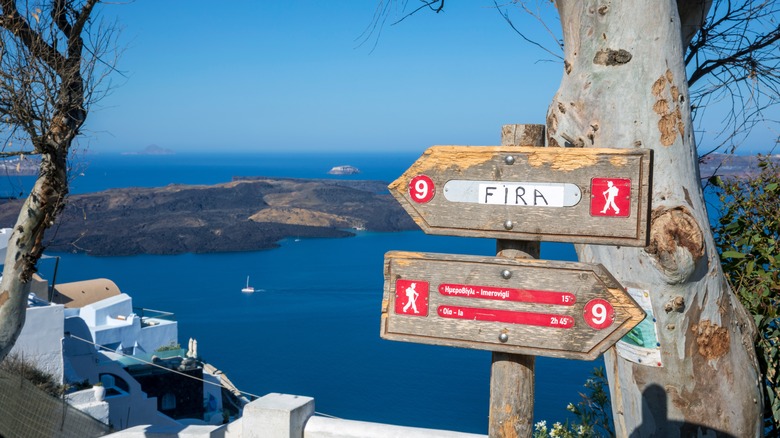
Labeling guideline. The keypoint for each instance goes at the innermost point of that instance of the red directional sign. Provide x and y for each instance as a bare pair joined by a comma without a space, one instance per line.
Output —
577,195
532,307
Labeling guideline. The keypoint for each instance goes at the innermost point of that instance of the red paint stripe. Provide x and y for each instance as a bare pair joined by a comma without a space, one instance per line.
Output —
508,294
507,316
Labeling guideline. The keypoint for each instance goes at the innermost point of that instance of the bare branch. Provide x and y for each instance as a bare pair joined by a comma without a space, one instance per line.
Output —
735,58
382,12
426,4
49,76
376,25
16,24
58,16
505,15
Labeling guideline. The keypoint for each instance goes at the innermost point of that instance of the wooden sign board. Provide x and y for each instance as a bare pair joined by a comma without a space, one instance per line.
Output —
521,306
576,195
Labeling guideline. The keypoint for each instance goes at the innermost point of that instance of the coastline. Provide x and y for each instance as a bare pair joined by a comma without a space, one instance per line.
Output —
247,214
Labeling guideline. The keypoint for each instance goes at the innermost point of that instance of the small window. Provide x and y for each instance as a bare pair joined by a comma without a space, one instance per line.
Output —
107,380
113,381
168,401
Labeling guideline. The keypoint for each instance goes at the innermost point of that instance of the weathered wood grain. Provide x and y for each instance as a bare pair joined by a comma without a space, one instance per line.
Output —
491,164
513,376
585,282
511,395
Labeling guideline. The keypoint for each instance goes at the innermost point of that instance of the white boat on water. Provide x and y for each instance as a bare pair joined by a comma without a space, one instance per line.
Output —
248,289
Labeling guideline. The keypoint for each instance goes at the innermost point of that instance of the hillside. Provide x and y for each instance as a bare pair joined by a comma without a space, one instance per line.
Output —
728,165
242,215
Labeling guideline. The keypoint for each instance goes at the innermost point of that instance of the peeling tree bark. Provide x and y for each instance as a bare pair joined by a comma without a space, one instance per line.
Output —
624,86
25,247
51,115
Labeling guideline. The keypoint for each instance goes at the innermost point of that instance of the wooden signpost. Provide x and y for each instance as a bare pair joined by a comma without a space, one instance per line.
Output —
506,192
514,305
532,307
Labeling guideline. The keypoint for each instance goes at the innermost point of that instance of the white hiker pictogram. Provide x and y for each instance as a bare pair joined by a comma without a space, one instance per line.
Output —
609,196
411,296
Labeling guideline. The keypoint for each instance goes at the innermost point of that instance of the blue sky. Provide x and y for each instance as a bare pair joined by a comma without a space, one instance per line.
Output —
291,75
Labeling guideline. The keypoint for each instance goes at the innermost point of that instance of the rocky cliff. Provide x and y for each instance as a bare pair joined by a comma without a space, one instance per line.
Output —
243,215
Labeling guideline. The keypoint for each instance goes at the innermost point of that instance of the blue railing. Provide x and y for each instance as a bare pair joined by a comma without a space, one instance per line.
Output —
148,314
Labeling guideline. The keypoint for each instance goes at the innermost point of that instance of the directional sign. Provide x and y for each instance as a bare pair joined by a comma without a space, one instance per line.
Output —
576,195
524,306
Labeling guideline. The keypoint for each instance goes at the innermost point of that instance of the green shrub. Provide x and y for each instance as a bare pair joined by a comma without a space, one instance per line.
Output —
42,380
593,412
170,347
747,235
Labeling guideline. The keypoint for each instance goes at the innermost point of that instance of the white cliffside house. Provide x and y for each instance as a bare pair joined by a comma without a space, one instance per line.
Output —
88,332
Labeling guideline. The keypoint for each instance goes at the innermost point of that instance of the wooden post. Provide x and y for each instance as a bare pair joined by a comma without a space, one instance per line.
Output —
512,375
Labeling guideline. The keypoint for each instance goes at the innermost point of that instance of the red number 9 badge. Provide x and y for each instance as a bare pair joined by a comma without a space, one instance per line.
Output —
421,189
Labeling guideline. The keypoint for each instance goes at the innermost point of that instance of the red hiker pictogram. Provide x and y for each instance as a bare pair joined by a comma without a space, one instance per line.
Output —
411,297
610,197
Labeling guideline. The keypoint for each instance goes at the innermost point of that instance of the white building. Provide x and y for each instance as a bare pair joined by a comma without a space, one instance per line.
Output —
89,332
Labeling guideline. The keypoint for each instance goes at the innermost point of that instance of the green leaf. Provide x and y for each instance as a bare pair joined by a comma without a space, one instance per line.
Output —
716,181
746,235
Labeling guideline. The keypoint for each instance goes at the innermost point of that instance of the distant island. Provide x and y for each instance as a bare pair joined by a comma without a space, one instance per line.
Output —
344,170
152,149
729,165
20,166
247,214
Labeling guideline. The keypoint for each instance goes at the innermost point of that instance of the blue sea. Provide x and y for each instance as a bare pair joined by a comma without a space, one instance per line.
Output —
312,327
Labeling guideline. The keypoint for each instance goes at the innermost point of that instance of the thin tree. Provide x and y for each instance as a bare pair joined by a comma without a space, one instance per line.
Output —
625,85
51,63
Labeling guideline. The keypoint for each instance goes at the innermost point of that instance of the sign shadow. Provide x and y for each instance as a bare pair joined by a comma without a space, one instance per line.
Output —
655,421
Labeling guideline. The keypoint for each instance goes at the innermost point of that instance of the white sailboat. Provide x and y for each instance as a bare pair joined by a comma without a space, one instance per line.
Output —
248,289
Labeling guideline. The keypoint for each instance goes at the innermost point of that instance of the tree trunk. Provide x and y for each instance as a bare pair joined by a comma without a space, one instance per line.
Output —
624,86
50,114
25,245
